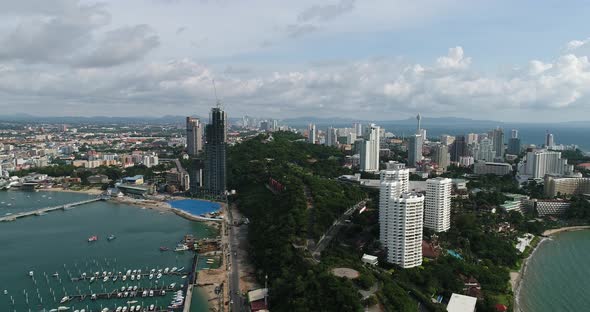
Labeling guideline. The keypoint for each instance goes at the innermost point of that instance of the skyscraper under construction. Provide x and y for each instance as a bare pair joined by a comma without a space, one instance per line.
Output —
215,152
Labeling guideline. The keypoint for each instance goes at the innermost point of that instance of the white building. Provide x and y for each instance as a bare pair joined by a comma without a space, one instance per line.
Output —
437,204
150,160
461,303
312,134
331,137
500,169
542,162
370,150
484,151
402,221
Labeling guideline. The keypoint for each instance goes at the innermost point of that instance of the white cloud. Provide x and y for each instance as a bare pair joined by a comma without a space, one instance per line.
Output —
576,44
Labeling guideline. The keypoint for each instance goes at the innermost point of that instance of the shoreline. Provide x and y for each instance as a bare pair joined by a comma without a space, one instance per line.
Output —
516,277
90,191
566,229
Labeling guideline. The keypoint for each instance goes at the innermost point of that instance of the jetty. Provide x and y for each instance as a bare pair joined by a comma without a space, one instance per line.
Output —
42,211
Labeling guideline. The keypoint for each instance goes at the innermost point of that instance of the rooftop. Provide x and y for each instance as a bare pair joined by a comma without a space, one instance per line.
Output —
461,303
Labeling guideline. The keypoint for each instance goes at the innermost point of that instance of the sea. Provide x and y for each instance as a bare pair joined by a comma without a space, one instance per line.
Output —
55,248
557,275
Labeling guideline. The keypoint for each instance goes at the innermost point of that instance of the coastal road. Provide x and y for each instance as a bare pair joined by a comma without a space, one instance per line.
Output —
234,274
333,230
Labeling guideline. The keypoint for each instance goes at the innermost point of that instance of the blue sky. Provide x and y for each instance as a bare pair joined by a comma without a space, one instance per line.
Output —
502,60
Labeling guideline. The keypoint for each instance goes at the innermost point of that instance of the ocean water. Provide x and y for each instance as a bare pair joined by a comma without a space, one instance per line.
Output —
18,201
57,242
557,275
195,206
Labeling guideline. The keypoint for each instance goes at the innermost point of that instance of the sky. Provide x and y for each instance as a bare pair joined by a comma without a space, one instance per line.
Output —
368,59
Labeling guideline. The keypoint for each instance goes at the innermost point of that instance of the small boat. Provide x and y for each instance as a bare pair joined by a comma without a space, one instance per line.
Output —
137,308
132,309
93,297
115,278
31,273
151,275
123,289
84,275
172,285
173,269
83,310
163,248
62,308
92,279
184,276
124,277
151,293
152,307
104,273
105,279
128,272
64,299
159,270
138,277
134,271
5,292
166,270
132,302
124,309
92,238
159,275
118,309
105,310
55,274
181,269
126,294
163,293
135,288
132,277
181,248
144,293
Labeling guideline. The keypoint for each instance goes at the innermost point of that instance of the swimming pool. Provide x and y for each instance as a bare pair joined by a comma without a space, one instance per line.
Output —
194,206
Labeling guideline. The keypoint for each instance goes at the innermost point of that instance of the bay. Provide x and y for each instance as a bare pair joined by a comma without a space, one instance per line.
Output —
57,243
556,276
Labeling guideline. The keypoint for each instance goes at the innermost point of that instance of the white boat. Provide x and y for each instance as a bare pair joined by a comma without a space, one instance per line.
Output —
172,285
64,299
153,270
104,273
105,279
118,309
135,288
84,275
128,272
63,308
55,274
124,277
134,271
181,248
138,277
105,310
163,293
166,270
151,293
123,289
126,294
151,275
184,276
152,307
139,271
173,269
5,292
132,309
132,302
115,278
83,310
159,275
93,297
137,308
31,273
132,277
160,271
124,309
92,279
144,293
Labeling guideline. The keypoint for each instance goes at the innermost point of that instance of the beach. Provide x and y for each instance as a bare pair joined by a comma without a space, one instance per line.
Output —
566,229
89,191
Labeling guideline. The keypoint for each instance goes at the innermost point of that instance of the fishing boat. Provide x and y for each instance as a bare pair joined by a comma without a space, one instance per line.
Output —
92,238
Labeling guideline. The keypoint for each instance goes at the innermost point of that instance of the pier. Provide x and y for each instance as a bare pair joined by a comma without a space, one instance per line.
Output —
45,210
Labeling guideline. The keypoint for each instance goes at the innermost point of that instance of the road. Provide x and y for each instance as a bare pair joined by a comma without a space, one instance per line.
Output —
234,273
333,230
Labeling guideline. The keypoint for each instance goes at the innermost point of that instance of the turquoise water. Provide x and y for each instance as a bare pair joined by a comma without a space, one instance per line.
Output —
557,275
194,206
57,242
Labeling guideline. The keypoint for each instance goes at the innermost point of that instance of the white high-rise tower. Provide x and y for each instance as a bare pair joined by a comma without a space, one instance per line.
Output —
370,150
437,205
400,217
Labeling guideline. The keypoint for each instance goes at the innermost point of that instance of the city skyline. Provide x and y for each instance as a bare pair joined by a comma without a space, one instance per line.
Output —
296,58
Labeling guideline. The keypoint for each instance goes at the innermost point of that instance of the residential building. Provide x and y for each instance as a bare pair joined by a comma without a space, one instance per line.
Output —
311,134
549,141
437,204
458,148
498,138
194,136
484,151
514,146
441,156
369,151
401,221
215,152
415,150
331,137
548,207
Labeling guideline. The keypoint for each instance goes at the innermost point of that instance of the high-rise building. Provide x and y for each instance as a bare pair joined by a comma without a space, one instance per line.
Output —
514,146
549,142
484,151
514,134
312,135
194,136
437,204
446,139
370,150
458,148
215,152
331,137
441,156
358,129
472,138
415,150
542,162
498,139
401,221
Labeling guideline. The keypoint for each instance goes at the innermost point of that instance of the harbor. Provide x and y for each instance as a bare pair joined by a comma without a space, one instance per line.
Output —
138,260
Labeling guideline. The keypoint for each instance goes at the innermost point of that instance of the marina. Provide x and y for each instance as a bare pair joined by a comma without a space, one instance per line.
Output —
55,268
